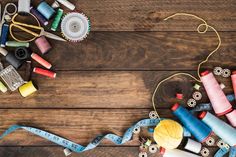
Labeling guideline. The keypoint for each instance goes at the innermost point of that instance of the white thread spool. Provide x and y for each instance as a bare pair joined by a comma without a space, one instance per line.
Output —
67,4
193,146
176,153
67,152
24,6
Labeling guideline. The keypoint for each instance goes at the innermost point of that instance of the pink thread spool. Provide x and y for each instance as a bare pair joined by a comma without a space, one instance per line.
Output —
43,45
232,118
217,97
233,78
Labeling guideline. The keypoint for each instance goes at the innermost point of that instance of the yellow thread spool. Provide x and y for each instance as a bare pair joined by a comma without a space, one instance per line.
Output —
168,134
3,88
27,89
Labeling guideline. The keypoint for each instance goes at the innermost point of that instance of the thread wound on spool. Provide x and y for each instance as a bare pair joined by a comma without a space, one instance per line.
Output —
46,10
41,61
39,16
44,72
232,118
28,89
43,45
4,36
205,73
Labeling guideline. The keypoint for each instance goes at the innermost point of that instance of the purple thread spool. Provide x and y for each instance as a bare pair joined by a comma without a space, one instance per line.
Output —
43,45
39,16
198,129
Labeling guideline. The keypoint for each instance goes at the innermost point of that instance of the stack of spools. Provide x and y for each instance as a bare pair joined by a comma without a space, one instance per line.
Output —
75,26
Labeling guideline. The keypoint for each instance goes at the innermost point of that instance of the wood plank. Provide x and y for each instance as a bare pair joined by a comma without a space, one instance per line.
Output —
55,151
142,51
108,89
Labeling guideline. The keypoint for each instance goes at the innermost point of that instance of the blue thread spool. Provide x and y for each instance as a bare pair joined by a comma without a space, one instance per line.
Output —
220,128
151,130
46,10
4,36
198,129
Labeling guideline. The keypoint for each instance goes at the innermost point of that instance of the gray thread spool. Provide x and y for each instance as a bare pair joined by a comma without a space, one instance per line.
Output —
24,6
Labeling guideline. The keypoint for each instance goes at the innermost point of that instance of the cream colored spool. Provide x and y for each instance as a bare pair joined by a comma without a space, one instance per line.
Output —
193,146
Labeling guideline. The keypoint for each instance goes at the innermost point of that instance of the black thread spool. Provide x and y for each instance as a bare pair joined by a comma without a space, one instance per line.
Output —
22,53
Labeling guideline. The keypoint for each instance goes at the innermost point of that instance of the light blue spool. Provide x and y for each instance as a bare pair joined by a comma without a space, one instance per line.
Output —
46,10
220,128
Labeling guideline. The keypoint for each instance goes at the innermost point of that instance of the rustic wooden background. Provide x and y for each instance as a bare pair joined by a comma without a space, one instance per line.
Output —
105,83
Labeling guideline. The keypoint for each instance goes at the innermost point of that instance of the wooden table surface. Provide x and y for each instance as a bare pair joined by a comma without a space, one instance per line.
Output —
105,83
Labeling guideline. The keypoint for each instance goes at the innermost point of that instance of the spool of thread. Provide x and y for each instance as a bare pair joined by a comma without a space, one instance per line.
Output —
39,16
198,129
17,44
41,61
46,10
217,97
3,88
220,128
11,58
176,153
22,53
67,4
44,72
232,118
4,36
43,45
193,146
23,6
27,89
57,20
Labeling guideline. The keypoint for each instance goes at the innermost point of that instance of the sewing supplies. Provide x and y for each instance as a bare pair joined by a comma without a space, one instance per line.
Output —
193,146
39,16
220,128
222,86
55,4
57,20
217,97
197,96
44,72
198,129
24,6
232,152
179,96
205,152
67,152
210,141
41,61
153,148
43,45
137,130
46,10
67,4
153,115
75,26
221,152
3,88
226,73
176,153
191,102
4,35
11,78
9,10
233,79
22,53
27,89
17,44
142,154
202,107
24,26
151,130
217,71
221,144
197,86
168,137
232,117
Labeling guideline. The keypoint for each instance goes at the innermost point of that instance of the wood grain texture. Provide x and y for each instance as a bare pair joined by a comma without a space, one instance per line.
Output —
107,89
142,51
58,152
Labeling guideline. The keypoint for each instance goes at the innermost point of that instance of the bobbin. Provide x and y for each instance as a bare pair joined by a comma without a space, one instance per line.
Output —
22,53
153,148
67,152
217,71
142,154
205,152
153,115
137,130
197,95
191,102
220,143
210,141
226,73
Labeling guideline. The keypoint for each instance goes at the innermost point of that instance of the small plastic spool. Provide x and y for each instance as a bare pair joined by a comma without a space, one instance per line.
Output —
191,102
16,44
153,148
67,4
67,152
57,20
23,6
193,146
43,45
44,72
28,89
210,141
221,144
3,88
197,86
142,154
153,115
179,96
41,61
231,118
226,73
39,16
55,5
136,130
46,10
22,53
205,152
217,71
4,36
197,96
222,86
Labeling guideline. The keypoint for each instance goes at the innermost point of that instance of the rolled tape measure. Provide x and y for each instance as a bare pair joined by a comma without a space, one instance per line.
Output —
94,143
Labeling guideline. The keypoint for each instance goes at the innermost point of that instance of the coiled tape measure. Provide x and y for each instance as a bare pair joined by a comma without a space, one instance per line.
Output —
94,143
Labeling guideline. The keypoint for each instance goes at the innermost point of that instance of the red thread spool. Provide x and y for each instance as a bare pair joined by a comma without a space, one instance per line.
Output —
45,72
41,61
179,96
43,45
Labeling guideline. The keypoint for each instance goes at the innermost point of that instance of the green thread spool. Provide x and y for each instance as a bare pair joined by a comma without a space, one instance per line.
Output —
17,44
57,20
3,88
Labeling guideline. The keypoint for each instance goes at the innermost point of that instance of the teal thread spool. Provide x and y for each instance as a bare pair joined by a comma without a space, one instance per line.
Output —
46,10
16,44
57,20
